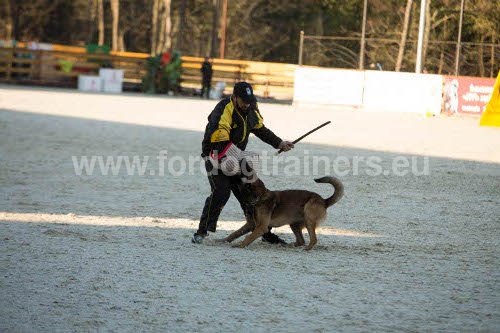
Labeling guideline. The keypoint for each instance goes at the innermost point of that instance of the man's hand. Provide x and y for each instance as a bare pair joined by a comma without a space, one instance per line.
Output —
286,145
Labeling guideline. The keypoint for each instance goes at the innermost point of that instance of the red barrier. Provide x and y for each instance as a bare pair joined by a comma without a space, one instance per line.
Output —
467,95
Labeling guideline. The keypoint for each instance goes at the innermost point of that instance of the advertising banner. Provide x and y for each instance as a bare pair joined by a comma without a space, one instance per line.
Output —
467,95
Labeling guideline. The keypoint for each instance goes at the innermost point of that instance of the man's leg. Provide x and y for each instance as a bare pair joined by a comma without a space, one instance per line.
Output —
248,210
202,89
209,86
221,190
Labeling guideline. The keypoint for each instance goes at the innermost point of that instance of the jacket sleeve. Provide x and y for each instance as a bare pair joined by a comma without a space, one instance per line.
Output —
264,133
219,138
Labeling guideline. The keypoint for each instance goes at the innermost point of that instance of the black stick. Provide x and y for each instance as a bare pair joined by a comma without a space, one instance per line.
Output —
303,136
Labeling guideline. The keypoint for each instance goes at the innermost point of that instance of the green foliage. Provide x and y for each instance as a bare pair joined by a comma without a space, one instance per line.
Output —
265,30
162,78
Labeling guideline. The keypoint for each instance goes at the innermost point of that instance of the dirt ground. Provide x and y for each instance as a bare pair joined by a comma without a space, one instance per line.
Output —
95,252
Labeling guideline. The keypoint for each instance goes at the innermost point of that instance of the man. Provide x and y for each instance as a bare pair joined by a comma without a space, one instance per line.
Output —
206,73
229,126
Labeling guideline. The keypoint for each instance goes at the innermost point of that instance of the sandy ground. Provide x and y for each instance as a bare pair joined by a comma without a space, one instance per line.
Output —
113,253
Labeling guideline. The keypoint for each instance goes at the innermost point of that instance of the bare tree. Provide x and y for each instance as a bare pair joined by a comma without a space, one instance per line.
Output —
115,11
9,20
91,13
15,17
404,35
492,56
100,21
167,20
182,23
213,40
154,26
427,30
161,39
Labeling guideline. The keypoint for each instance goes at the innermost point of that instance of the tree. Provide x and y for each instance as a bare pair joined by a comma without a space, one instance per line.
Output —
427,30
161,38
115,12
100,21
404,35
8,19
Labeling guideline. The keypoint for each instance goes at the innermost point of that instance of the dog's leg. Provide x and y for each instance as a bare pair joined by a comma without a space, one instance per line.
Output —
297,231
314,213
245,229
311,229
257,232
262,220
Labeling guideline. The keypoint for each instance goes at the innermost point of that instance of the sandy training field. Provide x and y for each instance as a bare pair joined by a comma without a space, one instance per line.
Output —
97,252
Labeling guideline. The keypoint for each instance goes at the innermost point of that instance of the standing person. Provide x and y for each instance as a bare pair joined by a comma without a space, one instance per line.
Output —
226,134
206,72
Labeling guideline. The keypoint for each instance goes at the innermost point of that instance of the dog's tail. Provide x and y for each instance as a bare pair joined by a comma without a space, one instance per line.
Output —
339,189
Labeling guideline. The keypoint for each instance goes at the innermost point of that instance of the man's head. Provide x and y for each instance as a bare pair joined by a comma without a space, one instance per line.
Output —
243,93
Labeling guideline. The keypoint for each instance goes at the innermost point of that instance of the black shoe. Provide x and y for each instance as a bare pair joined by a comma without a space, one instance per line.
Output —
272,239
198,239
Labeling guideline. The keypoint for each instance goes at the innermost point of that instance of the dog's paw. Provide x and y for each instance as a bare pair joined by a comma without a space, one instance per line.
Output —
238,245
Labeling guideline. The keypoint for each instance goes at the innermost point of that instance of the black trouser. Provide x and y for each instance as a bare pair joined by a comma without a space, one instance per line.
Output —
221,187
205,87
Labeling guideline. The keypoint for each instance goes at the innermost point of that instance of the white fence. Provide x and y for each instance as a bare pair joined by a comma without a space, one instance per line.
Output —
371,91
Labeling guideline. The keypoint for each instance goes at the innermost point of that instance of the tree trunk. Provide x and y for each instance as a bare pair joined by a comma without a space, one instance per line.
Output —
215,15
427,31
154,27
441,61
8,24
441,57
100,20
14,17
481,57
91,17
182,23
161,29
404,35
115,12
492,67
121,40
167,21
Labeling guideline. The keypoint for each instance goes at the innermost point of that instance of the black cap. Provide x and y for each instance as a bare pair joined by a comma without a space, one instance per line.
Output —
245,92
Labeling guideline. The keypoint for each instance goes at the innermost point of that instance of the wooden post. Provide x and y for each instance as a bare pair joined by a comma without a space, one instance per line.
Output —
301,46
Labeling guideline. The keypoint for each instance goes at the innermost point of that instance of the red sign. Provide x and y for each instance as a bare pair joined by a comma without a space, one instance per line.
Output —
466,94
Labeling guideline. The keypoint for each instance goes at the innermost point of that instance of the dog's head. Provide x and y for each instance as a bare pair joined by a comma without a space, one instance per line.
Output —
252,190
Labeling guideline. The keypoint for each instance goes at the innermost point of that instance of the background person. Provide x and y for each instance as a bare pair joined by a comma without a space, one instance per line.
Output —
206,73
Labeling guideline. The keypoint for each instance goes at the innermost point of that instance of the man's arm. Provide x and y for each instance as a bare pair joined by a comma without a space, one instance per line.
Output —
266,135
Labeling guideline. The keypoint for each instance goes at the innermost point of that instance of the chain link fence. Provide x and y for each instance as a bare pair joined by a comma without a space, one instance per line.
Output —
476,59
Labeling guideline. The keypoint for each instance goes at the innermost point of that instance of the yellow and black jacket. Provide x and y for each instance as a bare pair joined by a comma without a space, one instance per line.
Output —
227,124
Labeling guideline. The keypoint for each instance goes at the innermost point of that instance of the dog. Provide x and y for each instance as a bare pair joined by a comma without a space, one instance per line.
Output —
298,208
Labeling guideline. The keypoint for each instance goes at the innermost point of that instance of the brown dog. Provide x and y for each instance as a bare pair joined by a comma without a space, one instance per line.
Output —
297,208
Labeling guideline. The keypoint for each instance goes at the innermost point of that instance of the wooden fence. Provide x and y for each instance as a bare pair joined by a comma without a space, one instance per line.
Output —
62,65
